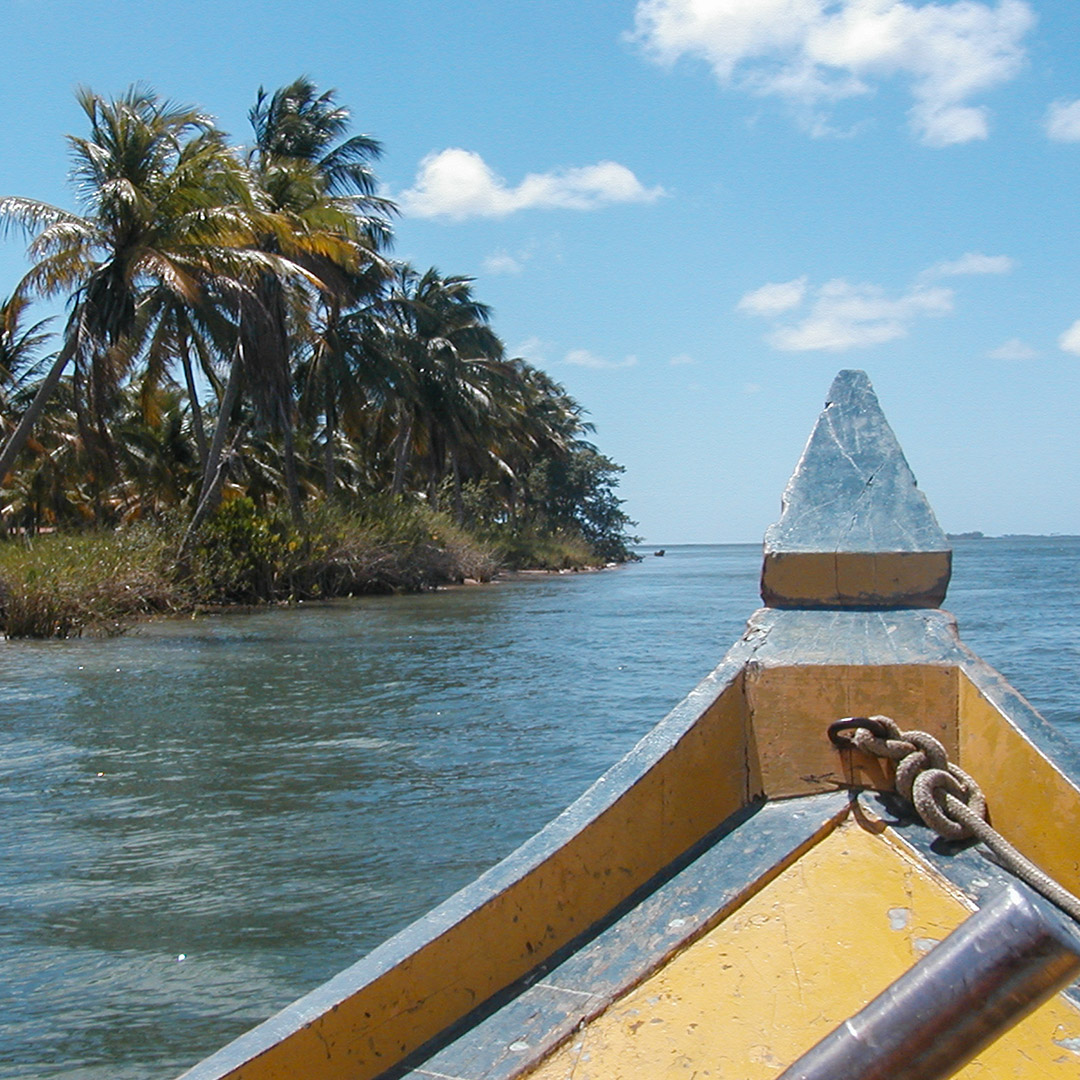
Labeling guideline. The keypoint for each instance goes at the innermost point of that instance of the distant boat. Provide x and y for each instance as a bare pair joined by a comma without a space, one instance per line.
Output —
727,896
660,552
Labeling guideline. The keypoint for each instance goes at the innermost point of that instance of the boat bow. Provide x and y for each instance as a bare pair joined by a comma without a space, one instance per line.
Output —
735,887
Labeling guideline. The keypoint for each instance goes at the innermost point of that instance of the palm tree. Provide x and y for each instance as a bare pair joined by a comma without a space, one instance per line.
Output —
195,336
166,206
297,123
20,349
158,458
332,385
452,374
325,190
20,357
541,425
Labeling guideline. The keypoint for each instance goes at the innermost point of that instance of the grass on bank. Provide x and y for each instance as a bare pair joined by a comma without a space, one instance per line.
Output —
62,584
59,584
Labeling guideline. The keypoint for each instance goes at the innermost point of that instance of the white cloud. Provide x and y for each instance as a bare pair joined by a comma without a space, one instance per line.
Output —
846,316
1013,349
584,358
974,262
682,359
1063,121
842,315
814,53
1070,341
459,184
501,262
774,298
531,349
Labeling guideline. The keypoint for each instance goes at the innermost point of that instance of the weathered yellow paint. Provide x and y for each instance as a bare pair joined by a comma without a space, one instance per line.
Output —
707,778
791,707
838,578
800,957
1030,800
689,790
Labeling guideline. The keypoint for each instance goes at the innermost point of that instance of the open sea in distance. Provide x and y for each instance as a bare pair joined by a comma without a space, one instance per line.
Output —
206,818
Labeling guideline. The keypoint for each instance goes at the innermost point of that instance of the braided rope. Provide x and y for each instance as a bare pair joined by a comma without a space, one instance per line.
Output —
946,799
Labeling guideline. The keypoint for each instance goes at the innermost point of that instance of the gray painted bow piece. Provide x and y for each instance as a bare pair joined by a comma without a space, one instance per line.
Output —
854,529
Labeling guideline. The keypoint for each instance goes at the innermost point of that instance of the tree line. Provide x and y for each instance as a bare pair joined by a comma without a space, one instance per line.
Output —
235,327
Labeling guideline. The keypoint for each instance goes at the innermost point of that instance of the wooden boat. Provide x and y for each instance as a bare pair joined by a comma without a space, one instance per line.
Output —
737,887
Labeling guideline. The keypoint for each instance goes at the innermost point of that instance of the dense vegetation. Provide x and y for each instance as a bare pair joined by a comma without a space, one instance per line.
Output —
244,368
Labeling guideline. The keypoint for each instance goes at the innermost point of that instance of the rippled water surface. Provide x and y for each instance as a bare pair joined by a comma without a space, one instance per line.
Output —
204,819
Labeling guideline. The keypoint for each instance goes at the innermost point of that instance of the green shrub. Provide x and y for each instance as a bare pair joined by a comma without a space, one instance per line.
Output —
530,548
381,545
239,555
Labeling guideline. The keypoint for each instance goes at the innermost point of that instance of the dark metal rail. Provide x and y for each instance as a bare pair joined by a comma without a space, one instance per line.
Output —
990,972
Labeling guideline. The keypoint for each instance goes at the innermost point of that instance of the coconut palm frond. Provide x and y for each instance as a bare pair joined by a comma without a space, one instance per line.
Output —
30,215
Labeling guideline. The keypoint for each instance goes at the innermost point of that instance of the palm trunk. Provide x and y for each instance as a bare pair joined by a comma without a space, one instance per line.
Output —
436,469
280,397
433,489
292,485
193,399
329,478
459,502
333,315
18,438
328,445
214,472
209,501
401,456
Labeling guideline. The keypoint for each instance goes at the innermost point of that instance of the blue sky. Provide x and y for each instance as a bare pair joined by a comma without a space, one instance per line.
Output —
692,213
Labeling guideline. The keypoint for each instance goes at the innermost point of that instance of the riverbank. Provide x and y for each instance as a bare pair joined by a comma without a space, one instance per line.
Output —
65,584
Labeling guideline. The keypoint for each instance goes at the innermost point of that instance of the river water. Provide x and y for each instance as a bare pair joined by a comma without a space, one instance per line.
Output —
205,818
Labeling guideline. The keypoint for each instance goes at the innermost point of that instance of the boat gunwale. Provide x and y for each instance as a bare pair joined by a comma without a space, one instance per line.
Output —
741,860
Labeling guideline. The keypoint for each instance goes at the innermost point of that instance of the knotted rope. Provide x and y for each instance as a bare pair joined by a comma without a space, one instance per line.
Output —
946,799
